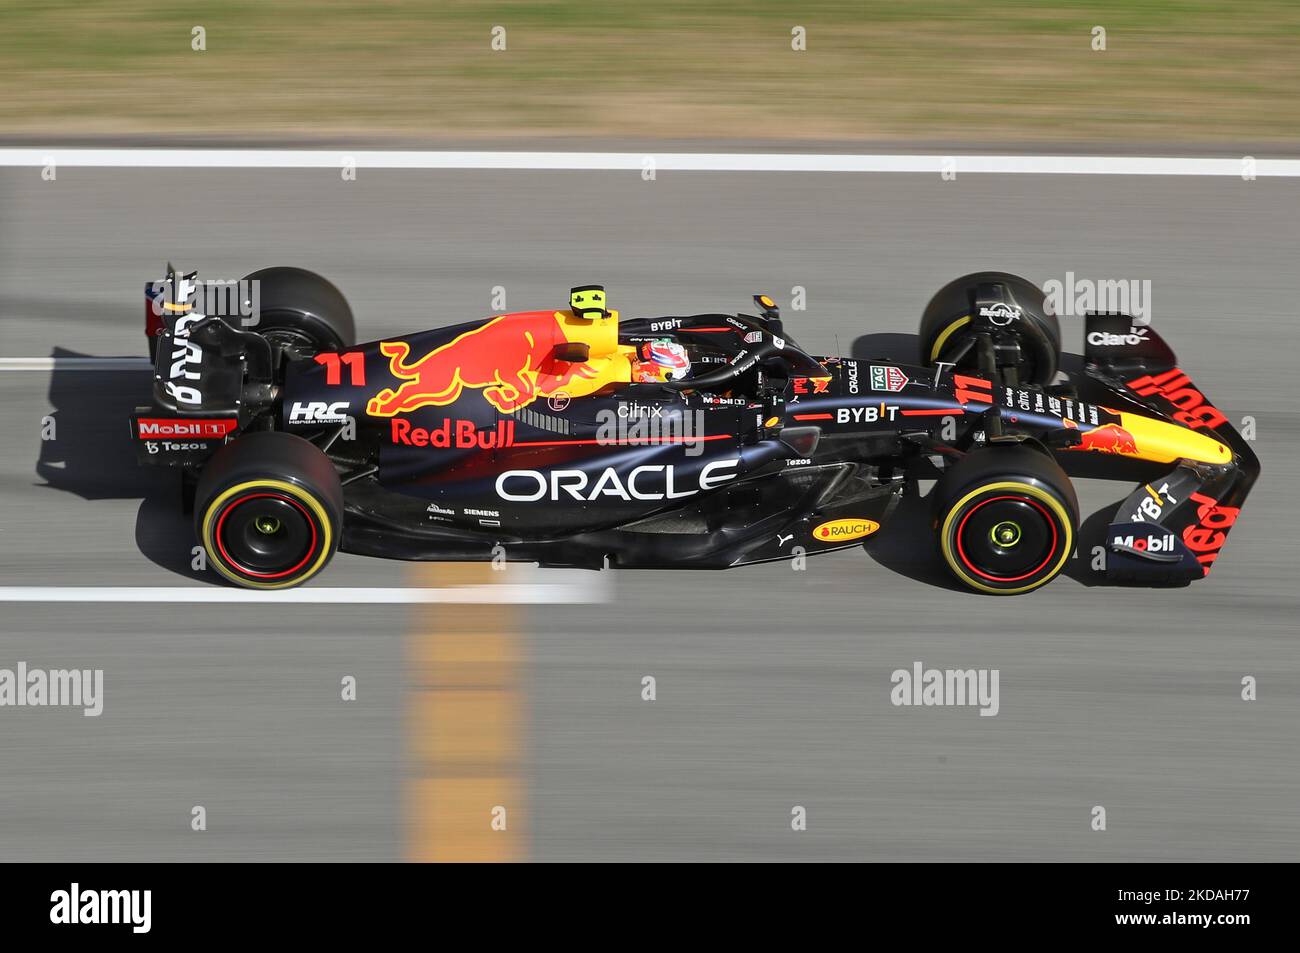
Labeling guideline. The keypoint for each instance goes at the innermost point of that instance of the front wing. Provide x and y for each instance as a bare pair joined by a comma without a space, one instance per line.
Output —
1173,528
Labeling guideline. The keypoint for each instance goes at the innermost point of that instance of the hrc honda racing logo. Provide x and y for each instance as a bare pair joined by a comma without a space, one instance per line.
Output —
320,412
651,482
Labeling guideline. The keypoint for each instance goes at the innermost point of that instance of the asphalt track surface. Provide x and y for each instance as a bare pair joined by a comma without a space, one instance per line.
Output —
773,685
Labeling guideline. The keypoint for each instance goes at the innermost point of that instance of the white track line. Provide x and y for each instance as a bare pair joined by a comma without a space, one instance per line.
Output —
184,595
74,363
593,587
1231,166
527,584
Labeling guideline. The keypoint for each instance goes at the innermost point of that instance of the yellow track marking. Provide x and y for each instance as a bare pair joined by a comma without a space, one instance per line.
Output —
465,717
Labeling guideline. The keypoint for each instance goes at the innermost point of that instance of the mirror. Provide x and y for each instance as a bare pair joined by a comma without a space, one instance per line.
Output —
572,352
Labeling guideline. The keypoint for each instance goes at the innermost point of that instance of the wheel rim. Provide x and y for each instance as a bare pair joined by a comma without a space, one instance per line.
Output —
1006,534
289,339
1007,538
266,535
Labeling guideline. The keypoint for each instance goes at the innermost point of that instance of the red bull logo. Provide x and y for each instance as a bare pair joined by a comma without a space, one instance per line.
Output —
1176,387
1108,438
1206,537
458,435
810,385
510,358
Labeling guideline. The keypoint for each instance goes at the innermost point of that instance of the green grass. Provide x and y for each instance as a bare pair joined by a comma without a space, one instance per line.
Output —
1178,70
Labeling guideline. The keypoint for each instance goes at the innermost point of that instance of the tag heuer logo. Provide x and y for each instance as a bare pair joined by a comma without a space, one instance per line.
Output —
887,378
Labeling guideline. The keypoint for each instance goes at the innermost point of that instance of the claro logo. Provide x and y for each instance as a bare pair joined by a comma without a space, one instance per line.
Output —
642,483
1135,336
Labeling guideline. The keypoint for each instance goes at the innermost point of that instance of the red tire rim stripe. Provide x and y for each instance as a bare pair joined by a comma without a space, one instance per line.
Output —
221,546
961,552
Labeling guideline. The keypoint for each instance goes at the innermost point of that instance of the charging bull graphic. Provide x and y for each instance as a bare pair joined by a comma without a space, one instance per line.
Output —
1108,438
511,358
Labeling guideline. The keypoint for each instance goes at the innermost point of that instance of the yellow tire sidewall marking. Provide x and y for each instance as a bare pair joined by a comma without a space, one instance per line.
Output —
297,492
942,339
1039,494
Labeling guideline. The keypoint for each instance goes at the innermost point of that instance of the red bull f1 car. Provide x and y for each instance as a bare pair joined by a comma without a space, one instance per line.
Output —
577,437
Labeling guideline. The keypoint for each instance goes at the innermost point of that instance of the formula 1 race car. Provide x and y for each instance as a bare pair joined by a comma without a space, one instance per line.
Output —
574,437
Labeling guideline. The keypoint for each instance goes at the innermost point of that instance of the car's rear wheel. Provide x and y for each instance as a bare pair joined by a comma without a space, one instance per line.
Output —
268,510
1006,518
300,310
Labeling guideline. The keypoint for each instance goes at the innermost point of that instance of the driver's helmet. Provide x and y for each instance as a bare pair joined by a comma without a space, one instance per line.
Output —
658,361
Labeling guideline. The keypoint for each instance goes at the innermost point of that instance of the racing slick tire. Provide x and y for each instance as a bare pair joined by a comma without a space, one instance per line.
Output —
268,510
1007,517
947,325
302,309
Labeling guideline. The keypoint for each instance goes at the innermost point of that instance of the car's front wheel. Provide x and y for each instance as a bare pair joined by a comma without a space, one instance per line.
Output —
268,510
1006,519
1024,334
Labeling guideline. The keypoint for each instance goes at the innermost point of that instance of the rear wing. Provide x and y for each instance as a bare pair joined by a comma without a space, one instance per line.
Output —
205,372
1174,527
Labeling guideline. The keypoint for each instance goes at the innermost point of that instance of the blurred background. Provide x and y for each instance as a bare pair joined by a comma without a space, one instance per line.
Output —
1194,71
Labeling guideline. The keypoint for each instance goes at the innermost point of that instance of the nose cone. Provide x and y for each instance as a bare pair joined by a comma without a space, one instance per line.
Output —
1165,442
